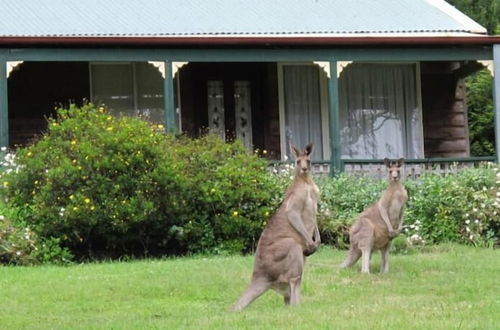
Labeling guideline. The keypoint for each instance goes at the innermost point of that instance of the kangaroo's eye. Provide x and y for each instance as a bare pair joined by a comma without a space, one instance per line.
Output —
298,161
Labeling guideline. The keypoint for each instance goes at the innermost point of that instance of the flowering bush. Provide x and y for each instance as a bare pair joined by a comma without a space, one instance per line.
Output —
111,186
17,246
463,207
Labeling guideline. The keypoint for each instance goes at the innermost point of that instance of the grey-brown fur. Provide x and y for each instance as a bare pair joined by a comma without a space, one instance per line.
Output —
374,228
290,235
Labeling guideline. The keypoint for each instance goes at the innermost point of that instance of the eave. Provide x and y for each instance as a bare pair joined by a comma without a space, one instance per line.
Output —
169,41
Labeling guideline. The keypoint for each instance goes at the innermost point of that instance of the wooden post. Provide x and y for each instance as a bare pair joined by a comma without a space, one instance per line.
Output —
168,91
334,118
496,98
4,111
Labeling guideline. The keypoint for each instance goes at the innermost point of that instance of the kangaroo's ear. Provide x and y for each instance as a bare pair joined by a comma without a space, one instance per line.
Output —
295,150
309,149
401,161
387,162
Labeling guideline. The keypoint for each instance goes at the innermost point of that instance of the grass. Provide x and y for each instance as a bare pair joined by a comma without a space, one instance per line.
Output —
446,287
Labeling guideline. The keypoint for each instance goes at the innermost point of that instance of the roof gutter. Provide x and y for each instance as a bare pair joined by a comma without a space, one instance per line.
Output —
248,41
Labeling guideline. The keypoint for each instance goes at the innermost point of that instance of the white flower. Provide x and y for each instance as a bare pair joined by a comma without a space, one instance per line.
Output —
3,148
417,227
474,210
467,222
18,253
2,217
471,237
477,221
467,229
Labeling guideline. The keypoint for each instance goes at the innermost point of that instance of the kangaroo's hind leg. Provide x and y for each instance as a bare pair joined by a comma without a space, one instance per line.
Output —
352,257
365,238
255,290
295,290
384,265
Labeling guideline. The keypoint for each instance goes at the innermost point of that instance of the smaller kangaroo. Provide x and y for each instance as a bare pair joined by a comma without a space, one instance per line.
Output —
290,235
374,228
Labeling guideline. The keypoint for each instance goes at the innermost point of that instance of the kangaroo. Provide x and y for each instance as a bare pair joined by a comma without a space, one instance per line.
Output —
374,228
290,235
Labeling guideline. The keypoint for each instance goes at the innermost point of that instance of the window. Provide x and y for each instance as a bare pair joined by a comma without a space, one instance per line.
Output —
379,111
133,89
303,108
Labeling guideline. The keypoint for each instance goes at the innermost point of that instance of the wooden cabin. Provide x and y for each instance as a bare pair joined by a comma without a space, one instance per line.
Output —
363,80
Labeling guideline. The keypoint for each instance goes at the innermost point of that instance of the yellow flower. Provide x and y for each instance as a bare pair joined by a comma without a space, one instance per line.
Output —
73,142
266,214
110,128
92,208
212,190
235,213
160,126
264,151
29,153
5,184
71,196
87,200
101,109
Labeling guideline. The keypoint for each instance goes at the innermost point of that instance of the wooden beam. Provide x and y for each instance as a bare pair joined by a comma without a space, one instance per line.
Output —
334,119
252,54
168,97
4,111
496,98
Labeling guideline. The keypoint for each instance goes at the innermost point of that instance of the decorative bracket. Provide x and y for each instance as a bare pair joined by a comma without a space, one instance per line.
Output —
176,66
325,66
341,65
11,66
160,66
488,65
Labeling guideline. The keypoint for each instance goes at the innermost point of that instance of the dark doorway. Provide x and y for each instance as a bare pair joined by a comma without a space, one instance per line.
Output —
234,100
36,89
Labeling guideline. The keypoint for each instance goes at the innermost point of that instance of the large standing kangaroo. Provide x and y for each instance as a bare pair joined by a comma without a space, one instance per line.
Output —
374,228
290,235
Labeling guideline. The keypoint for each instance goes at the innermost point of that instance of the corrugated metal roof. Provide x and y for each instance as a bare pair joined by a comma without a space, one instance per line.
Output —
163,18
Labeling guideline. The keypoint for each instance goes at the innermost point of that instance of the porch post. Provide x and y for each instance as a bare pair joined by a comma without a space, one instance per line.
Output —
334,119
168,91
496,98
4,112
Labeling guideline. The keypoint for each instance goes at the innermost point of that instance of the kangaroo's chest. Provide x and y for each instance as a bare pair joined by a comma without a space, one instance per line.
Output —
310,209
396,204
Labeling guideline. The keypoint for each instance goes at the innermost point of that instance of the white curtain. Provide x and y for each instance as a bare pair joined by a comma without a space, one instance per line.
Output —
132,89
303,107
379,112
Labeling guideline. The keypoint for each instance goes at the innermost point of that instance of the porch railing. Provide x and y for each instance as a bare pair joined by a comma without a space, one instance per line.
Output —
413,168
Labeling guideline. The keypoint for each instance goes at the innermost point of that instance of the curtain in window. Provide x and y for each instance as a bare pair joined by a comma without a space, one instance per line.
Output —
303,107
379,113
132,89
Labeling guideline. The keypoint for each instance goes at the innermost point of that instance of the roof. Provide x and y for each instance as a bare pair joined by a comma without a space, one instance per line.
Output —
219,19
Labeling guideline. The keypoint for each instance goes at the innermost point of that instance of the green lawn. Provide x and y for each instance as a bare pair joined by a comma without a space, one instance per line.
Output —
448,287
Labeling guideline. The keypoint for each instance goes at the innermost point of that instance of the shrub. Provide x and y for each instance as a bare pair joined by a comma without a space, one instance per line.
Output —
342,199
17,246
230,195
107,186
463,207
